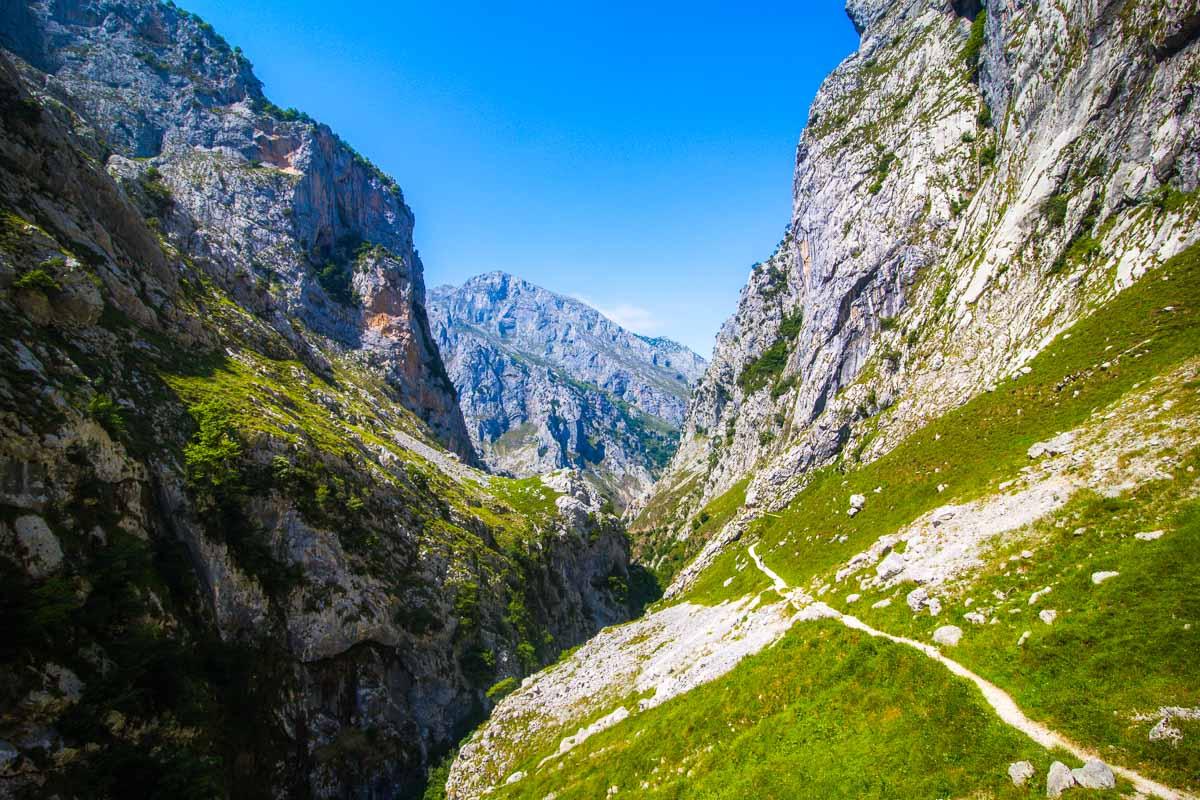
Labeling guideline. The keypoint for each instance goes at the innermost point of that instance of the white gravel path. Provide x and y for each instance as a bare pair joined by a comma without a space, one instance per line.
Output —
1000,701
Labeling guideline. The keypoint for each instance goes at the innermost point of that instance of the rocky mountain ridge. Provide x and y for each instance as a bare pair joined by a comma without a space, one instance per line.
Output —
546,382
245,549
943,232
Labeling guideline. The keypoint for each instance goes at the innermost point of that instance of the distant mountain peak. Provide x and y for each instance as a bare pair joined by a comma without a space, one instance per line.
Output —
546,381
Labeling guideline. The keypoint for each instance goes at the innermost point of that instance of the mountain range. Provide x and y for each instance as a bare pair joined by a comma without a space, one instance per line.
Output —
546,382
277,522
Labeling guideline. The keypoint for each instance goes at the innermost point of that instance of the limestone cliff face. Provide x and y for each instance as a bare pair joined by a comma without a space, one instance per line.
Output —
968,184
546,382
288,215
237,558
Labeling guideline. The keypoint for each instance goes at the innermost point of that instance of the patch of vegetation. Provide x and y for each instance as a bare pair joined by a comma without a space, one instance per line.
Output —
37,279
1131,640
1083,245
973,48
337,279
825,712
880,171
985,441
110,415
502,689
1054,210
767,368
157,190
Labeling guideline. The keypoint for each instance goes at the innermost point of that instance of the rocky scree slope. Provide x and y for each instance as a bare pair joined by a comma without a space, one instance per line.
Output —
970,182
244,551
546,382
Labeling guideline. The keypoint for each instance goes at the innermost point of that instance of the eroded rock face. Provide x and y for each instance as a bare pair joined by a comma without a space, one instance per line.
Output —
546,382
290,218
950,217
224,484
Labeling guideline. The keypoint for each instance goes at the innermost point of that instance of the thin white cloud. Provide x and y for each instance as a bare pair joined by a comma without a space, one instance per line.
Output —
628,316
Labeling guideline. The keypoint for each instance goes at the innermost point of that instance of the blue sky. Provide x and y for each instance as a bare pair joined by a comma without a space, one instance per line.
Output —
638,158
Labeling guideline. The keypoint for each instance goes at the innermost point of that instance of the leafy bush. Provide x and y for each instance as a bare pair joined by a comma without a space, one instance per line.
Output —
769,366
1054,210
502,689
37,279
478,664
337,281
108,414
881,169
987,155
213,457
974,46
155,189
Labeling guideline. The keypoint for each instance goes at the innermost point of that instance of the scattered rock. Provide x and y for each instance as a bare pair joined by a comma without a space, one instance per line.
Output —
917,598
1094,774
1024,638
43,552
516,776
949,635
1148,536
1101,577
857,501
852,511
975,617
884,603
892,565
1039,594
934,605
1164,730
941,487
853,598
1057,446
1059,779
1020,772
1047,615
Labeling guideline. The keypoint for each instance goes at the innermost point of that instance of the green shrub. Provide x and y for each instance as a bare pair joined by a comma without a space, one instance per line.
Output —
155,189
987,155
37,279
478,664
108,414
337,281
1054,209
502,689
974,45
769,366
213,457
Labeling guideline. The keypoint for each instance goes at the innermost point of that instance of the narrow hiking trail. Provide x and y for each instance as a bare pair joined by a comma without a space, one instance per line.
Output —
1000,701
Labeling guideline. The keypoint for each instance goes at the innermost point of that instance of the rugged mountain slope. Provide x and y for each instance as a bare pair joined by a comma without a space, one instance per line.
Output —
967,186
948,443
237,557
546,382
